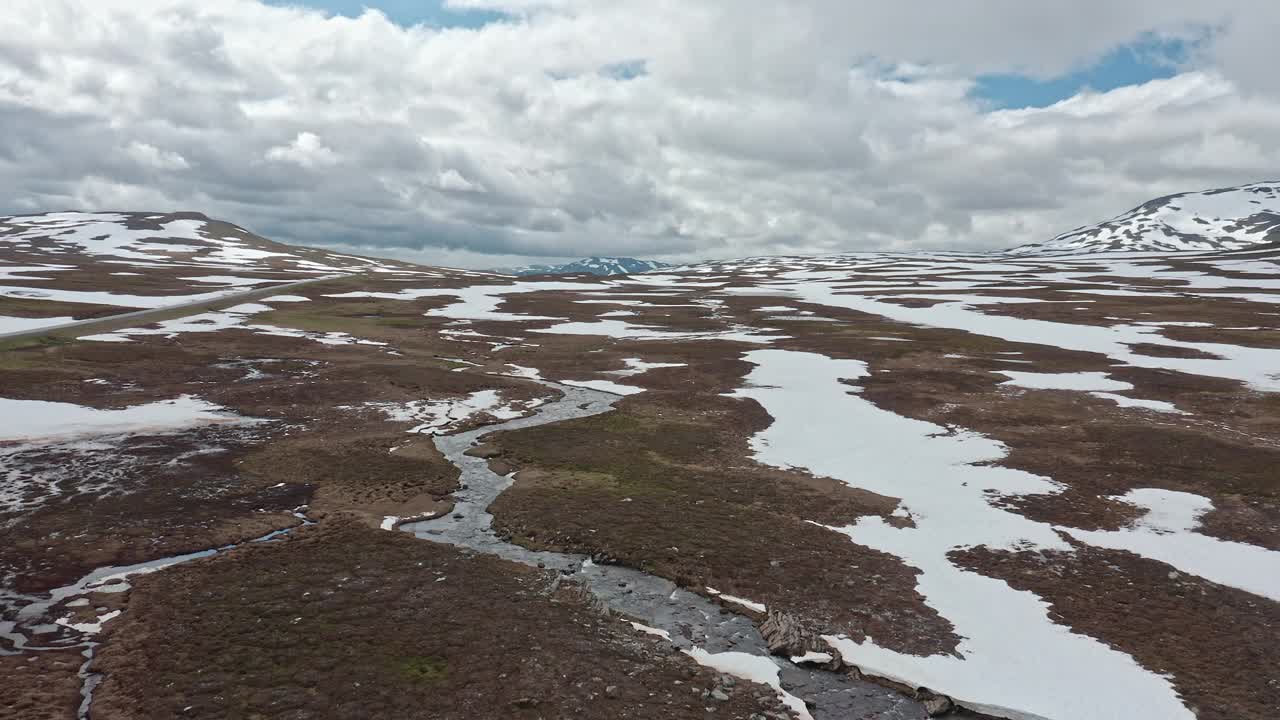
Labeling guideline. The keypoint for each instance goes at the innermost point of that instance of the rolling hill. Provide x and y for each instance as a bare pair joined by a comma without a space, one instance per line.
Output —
1232,218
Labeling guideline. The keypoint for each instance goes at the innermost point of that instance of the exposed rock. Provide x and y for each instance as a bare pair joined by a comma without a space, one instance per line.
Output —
500,466
786,636
934,703
484,452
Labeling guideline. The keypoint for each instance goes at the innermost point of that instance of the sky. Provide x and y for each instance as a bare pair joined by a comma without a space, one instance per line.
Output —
406,13
488,133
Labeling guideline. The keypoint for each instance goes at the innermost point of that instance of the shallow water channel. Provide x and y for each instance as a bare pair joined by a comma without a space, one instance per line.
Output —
29,622
690,620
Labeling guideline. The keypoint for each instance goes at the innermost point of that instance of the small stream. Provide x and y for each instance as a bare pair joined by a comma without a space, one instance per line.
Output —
693,623
691,620
27,618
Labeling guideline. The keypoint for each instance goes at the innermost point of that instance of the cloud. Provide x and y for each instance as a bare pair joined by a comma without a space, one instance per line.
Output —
307,150
151,156
656,128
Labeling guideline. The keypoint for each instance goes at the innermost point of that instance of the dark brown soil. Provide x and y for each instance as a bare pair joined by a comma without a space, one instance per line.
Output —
344,621
40,686
1262,338
1117,310
1217,643
32,308
327,449
1165,351
1252,520
359,473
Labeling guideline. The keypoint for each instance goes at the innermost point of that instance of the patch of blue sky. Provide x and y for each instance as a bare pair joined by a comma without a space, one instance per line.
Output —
404,12
1150,58
628,70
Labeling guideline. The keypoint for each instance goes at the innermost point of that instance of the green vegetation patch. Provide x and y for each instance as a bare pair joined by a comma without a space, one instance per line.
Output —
32,343
360,319
423,669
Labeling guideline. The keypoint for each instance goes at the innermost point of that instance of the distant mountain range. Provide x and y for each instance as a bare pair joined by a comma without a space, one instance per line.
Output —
592,266
1233,218
1223,219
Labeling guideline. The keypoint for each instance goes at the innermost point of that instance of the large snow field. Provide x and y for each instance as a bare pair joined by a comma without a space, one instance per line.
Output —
75,437
1013,659
24,324
43,421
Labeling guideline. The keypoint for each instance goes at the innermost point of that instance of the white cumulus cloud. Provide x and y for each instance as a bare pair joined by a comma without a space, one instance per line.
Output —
306,150
653,128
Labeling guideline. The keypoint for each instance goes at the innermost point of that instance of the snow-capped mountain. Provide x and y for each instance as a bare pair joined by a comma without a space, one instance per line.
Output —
1224,219
593,266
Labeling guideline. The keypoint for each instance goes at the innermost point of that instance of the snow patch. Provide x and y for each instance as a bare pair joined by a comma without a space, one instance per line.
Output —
754,668
651,631
45,421
608,386
1167,532
439,417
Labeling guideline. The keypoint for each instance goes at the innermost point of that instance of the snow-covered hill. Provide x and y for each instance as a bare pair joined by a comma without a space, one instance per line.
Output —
153,240
61,268
1224,219
594,266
